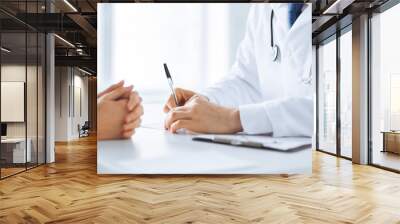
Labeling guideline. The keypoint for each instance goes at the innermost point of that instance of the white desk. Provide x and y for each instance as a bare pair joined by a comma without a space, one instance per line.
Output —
155,151
19,155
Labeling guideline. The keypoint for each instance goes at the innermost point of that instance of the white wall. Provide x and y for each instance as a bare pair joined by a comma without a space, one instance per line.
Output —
13,100
199,43
61,103
12,73
69,82
81,84
33,126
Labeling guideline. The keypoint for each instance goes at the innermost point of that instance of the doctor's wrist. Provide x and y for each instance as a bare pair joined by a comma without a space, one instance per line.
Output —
234,118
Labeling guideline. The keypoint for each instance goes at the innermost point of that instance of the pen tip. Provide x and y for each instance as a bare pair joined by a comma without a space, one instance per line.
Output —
166,71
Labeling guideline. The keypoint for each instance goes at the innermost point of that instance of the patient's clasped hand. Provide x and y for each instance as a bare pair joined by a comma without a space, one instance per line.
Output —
119,110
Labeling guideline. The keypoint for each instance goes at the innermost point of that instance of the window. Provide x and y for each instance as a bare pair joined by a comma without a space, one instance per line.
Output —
22,88
14,153
385,89
346,94
334,138
327,96
394,102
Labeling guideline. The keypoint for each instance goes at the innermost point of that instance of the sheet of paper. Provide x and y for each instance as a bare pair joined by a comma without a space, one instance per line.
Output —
155,125
153,117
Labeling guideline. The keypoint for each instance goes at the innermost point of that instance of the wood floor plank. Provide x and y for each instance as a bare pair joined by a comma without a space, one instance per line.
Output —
70,191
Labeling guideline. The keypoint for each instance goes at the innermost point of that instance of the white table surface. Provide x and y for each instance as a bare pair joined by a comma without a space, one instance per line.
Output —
155,151
19,150
13,140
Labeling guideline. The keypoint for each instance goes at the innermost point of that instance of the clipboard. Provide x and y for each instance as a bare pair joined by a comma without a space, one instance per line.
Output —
257,141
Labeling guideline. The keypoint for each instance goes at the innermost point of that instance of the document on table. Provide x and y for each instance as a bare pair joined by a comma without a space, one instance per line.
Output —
154,125
258,141
153,117
253,141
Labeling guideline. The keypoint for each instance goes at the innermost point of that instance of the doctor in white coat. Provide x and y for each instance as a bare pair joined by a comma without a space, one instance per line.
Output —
269,88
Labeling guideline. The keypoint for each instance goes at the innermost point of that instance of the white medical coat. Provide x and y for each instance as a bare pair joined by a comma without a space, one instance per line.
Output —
272,97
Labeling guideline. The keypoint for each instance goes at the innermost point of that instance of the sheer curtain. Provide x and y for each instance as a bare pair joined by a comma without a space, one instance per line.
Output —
197,41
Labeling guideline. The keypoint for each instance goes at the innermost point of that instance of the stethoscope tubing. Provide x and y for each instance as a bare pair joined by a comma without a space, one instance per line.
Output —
275,48
271,19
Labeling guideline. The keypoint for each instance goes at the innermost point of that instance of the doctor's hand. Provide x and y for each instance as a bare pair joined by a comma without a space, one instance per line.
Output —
182,95
200,116
119,111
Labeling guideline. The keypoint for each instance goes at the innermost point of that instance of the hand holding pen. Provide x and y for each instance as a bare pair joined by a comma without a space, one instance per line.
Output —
178,96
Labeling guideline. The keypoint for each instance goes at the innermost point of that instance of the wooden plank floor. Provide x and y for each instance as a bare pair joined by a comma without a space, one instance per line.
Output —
70,191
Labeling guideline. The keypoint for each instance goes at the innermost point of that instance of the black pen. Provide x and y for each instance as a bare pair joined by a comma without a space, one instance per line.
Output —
171,84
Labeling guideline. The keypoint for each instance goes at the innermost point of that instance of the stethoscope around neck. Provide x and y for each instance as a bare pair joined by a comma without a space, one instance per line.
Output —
276,51
274,47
